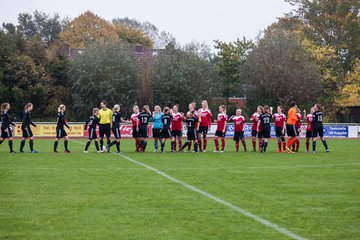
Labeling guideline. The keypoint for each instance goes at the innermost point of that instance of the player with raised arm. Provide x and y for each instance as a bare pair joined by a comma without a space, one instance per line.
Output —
280,127
26,129
191,121
166,129
60,131
157,126
115,121
222,119
204,115
318,128
309,127
7,126
91,126
176,128
142,127
239,122
134,119
264,127
254,133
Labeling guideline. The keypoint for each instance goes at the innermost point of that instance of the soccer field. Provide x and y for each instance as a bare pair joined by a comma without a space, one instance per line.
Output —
180,195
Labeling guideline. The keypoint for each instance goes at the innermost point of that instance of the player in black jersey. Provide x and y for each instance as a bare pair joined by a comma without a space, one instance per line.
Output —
92,123
318,129
191,122
7,126
60,131
142,127
26,129
166,129
264,127
116,119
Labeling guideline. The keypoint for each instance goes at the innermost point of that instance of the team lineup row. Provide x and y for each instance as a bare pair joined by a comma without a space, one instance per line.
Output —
168,124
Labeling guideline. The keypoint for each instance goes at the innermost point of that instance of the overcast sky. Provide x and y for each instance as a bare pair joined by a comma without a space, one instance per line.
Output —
186,20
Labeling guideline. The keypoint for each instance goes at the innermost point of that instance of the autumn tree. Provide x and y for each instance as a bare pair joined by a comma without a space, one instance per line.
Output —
334,23
88,29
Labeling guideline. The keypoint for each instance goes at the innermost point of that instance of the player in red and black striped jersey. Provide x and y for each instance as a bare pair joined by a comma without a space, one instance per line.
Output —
26,129
239,122
91,125
176,128
254,131
205,118
264,127
280,127
142,127
308,118
7,126
222,119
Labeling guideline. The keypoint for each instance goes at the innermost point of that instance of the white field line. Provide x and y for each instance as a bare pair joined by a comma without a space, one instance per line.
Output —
257,218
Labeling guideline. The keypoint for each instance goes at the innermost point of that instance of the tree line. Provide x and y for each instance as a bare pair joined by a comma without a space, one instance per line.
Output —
309,55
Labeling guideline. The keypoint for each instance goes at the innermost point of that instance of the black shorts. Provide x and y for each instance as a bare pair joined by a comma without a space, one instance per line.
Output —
60,133
238,136
143,131
116,132
191,134
165,133
318,131
254,133
156,132
298,130
203,130
104,129
6,132
308,134
291,130
26,132
135,133
265,133
220,134
260,134
176,133
278,131
92,133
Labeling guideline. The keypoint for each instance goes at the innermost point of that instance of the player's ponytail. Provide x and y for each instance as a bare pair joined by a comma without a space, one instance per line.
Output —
266,109
26,107
61,107
116,108
4,106
319,107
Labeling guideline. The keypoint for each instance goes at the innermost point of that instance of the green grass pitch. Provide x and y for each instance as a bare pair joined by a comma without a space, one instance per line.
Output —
105,196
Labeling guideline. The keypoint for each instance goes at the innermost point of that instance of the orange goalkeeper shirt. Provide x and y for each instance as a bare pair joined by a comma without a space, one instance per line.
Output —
292,118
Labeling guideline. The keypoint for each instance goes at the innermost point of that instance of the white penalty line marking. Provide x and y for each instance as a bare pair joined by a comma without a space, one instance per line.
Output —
257,218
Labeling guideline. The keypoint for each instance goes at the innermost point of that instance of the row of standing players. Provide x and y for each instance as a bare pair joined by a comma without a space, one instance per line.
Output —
169,125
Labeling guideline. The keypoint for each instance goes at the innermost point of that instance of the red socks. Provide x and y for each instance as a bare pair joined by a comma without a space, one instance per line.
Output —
222,144
237,146
216,144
